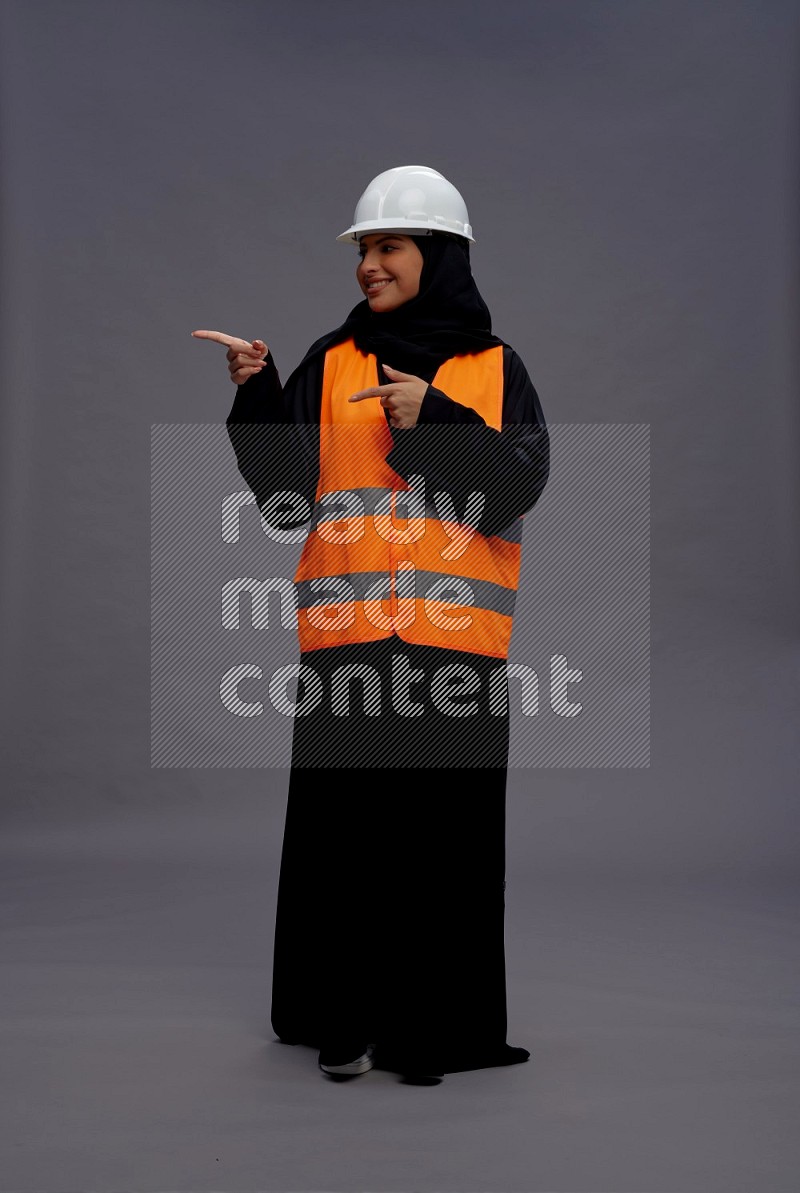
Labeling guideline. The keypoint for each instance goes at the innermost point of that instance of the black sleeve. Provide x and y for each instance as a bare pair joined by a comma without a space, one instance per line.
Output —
275,436
456,452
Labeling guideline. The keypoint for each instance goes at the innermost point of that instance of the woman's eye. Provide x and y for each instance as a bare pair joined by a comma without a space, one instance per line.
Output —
383,248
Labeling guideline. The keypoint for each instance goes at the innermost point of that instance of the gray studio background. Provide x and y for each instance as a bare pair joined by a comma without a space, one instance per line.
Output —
631,175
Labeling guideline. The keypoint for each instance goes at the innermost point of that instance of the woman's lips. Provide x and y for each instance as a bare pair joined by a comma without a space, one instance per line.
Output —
373,290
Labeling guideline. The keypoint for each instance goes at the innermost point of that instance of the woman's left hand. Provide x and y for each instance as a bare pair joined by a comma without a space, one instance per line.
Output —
401,399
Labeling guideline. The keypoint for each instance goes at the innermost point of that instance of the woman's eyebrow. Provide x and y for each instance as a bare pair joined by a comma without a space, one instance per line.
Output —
382,238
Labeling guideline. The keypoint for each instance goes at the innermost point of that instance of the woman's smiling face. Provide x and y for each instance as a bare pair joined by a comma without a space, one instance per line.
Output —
389,269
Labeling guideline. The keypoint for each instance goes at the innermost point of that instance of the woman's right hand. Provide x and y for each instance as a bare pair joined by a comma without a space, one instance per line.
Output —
245,357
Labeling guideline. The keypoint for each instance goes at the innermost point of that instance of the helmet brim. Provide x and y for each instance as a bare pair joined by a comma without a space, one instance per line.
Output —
403,228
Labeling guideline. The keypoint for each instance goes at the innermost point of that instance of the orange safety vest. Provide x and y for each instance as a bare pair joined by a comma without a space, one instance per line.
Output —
387,558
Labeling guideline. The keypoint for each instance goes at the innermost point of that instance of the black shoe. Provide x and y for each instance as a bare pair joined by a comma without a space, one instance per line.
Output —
514,1056
415,1070
346,1062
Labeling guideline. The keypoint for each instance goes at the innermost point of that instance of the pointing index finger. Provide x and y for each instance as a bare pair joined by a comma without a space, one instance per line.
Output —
377,391
220,337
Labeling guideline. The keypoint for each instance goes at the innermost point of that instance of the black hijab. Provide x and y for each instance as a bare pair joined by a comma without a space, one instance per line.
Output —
448,317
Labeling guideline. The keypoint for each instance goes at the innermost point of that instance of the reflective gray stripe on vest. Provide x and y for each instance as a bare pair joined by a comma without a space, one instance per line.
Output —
327,590
487,595
332,590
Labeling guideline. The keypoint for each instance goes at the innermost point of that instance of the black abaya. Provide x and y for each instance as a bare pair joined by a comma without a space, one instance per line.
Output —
391,898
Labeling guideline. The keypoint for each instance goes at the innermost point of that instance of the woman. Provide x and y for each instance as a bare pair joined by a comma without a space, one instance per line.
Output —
416,442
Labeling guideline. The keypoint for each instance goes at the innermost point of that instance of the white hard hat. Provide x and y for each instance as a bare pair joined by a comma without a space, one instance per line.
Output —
410,199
